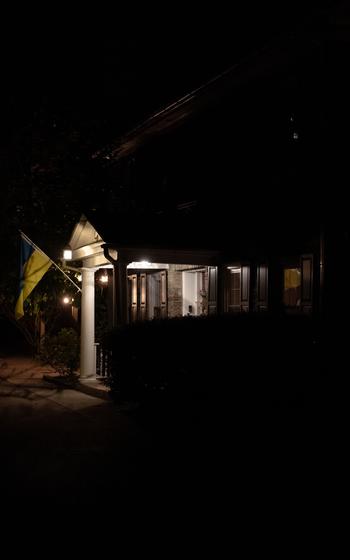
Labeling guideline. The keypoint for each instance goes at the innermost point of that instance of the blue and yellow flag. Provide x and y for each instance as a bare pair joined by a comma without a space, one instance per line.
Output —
33,265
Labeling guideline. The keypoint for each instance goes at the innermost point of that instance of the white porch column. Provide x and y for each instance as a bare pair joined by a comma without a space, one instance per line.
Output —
87,330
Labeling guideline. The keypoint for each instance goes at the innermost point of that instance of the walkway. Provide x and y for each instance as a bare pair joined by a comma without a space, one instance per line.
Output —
27,370
61,446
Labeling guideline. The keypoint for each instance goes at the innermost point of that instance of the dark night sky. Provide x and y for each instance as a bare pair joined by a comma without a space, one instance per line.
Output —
121,72
72,84
67,81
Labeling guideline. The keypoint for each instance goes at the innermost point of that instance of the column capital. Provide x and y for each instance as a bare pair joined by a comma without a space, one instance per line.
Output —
88,269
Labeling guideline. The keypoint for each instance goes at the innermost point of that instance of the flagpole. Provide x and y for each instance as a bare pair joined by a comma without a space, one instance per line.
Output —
53,262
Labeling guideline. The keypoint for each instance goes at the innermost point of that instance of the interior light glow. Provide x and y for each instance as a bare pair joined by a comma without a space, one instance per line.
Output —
140,264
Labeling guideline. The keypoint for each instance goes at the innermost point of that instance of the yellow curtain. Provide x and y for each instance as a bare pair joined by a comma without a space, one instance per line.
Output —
291,278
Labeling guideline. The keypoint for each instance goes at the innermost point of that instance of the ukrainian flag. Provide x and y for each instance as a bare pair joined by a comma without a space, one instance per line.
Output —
33,265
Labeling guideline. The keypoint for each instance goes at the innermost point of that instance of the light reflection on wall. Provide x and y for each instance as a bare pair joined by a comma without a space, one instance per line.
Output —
147,265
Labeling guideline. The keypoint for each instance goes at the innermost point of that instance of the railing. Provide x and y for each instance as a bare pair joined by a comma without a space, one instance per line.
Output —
103,361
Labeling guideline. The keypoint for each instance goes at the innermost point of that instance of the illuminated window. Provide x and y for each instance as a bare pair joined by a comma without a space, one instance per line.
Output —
292,287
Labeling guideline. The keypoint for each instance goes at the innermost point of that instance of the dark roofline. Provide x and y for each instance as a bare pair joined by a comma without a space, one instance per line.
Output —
260,63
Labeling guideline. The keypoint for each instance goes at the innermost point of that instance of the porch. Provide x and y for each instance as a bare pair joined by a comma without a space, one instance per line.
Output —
146,281
139,284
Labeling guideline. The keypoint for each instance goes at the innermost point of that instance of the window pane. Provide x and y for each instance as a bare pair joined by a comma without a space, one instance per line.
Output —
292,287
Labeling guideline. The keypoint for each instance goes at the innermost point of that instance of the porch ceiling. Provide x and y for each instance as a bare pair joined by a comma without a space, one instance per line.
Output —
166,256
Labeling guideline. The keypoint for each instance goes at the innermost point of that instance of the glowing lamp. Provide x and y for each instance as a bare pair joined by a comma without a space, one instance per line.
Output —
67,253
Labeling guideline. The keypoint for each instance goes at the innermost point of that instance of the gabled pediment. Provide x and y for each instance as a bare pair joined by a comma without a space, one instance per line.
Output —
84,234
86,244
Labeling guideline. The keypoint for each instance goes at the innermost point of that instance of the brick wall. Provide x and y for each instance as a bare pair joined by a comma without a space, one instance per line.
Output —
175,290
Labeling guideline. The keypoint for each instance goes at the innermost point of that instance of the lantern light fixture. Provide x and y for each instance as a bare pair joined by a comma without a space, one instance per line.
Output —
67,253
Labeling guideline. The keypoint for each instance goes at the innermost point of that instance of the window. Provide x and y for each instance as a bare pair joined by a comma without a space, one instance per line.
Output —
234,289
292,287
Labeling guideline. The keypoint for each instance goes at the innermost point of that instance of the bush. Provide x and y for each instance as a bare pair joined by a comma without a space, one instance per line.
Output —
61,351
227,358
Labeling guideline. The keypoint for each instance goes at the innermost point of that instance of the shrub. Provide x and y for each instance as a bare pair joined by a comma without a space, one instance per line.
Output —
61,351
227,358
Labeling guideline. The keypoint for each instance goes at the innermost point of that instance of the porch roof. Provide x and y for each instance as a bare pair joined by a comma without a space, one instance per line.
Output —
152,238
168,230
198,237
218,230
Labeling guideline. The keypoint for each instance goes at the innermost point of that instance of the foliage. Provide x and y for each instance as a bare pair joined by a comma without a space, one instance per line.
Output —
43,304
61,351
48,180
227,359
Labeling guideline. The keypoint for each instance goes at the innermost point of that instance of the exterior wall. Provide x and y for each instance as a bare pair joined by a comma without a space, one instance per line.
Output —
175,290
204,305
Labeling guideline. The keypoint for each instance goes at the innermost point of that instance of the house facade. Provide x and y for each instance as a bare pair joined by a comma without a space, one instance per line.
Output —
217,204
146,282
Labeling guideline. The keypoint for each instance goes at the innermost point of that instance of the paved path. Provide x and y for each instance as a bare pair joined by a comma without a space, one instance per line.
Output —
62,447
22,368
